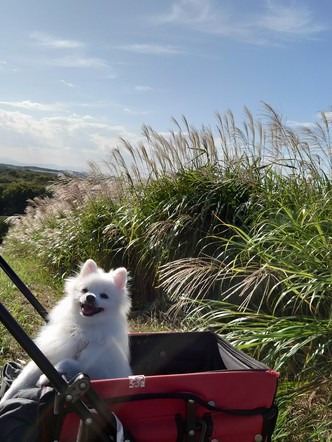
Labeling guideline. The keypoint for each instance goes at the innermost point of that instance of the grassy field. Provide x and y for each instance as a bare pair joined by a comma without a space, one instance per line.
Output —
226,230
45,287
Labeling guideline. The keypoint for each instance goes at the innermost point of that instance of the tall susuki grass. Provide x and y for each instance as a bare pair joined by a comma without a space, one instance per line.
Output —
228,227
272,286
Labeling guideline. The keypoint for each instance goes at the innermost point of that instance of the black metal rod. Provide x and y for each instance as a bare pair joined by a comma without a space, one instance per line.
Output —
31,349
23,289
47,368
103,411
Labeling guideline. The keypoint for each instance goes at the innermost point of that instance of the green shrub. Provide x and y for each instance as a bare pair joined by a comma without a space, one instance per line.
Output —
17,185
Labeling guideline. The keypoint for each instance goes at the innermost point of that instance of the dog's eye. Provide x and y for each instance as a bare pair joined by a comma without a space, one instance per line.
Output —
103,295
85,290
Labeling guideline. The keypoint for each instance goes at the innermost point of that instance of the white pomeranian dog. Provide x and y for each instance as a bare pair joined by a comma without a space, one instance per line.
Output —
87,330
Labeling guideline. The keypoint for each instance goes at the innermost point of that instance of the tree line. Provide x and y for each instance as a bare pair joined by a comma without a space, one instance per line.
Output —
17,186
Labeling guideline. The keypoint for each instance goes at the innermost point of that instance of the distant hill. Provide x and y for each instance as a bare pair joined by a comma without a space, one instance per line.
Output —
4,166
18,184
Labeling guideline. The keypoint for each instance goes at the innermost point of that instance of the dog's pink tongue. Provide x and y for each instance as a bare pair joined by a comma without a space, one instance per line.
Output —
87,310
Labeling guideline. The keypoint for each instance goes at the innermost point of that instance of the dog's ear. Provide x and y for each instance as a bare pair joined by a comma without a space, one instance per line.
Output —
88,267
120,277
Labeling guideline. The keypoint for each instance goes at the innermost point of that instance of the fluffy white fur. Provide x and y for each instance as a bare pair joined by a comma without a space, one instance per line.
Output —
87,330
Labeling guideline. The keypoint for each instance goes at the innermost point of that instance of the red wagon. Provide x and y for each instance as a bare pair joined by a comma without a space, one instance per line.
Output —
186,386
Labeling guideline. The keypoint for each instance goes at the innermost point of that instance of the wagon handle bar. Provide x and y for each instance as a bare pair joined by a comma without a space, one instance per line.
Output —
23,289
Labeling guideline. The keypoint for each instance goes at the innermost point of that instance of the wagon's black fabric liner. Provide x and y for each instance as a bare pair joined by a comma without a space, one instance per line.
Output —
181,353
170,353
9,372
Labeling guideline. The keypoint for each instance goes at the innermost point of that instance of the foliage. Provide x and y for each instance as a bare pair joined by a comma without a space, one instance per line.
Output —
229,228
17,185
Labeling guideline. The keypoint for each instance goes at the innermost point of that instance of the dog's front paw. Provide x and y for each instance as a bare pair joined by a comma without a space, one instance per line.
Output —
67,368
43,381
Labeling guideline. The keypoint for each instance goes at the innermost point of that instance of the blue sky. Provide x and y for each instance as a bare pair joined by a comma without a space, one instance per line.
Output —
77,75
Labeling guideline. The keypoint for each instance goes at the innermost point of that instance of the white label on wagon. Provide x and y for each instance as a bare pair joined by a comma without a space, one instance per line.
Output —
137,381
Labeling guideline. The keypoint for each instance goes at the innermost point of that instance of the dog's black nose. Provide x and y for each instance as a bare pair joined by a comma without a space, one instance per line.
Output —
91,299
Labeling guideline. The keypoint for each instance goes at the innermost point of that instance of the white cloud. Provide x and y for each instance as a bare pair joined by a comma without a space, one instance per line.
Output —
131,111
142,88
151,49
275,22
310,124
30,105
298,125
67,83
192,12
71,53
7,67
50,41
77,61
111,76
66,141
292,19
328,115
